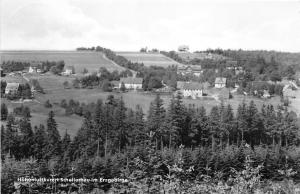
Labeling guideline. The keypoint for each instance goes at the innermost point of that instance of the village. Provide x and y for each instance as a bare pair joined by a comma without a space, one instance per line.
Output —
190,84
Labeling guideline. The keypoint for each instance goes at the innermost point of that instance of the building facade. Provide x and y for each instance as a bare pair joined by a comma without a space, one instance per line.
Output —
192,90
220,82
131,83
12,88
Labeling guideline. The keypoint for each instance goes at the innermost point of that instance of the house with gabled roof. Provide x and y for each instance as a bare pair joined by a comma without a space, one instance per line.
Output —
193,89
69,70
35,67
12,88
131,82
220,82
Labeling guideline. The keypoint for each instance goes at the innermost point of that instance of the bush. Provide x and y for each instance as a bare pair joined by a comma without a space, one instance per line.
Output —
48,104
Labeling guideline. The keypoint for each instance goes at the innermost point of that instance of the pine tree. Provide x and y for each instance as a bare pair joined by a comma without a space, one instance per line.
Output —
175,121
99,120
4,111
253,122
26,137
156,117
241,121
139,126
53,136
214,125
40,142
120,125
11,137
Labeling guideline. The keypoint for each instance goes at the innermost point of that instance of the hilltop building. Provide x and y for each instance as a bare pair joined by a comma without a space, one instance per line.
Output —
220,82
183,48
131,83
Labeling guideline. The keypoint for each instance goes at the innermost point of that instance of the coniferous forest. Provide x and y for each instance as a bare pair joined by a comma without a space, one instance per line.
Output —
178,149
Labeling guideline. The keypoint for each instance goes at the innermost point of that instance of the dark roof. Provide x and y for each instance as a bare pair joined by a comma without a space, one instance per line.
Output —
193,86
192,67
131,80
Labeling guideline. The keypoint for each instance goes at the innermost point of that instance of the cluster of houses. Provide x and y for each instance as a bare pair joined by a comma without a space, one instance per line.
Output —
37,67
196,90
196,70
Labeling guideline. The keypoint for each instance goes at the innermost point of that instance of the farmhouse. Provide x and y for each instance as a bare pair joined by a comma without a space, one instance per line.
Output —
190,70
266,94
131,82
288,91
220,82
12,88
35,67
69,70
192,89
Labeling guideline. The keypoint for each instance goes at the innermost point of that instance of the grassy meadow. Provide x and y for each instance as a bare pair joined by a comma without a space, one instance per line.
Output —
92,61
149,59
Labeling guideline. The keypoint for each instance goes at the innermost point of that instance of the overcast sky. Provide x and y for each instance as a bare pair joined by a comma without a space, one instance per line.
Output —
163,24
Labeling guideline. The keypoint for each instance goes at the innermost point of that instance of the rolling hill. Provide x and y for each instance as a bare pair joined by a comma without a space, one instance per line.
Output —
92,61
149,59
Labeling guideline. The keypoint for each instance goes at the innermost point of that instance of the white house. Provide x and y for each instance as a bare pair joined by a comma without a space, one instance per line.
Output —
192,89
69,70
131,83
288,91
220,82
35,67
12,88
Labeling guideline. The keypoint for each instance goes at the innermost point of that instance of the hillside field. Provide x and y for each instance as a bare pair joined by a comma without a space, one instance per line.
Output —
55,92
149,59
92,61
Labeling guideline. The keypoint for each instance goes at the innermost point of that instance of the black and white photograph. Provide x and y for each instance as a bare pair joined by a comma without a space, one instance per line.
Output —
150,96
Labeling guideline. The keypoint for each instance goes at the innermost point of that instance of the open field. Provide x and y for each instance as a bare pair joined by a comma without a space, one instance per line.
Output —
92,61
55,92
149,59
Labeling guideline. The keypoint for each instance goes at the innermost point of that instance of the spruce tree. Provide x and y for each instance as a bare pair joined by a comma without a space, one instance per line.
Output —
4,111
39,142
156,118
120,125
53,136
175,120
214,126
26,137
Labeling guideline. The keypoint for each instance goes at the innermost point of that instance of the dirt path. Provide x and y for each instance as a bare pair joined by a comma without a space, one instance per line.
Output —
133,72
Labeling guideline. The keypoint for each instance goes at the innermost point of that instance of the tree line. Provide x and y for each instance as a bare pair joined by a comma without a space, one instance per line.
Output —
55,67
113,135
